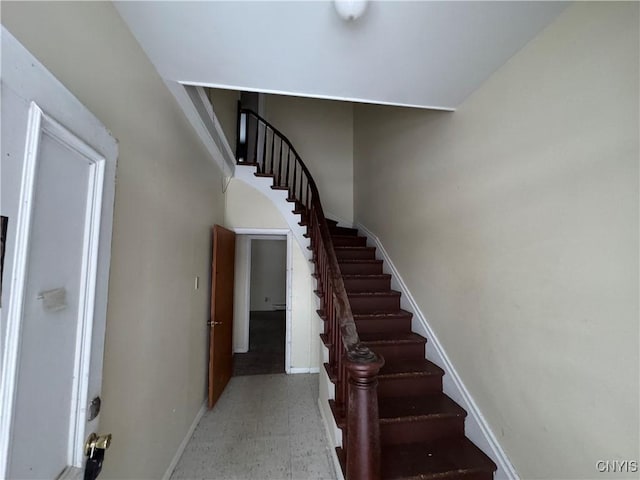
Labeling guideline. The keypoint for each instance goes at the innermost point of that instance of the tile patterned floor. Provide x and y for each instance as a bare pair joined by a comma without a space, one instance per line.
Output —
264,427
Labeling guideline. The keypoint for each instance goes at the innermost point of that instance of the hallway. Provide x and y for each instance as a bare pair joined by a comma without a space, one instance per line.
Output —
264,427
266,345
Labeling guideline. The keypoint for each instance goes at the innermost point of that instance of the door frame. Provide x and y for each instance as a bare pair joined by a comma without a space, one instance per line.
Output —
30,80
266,234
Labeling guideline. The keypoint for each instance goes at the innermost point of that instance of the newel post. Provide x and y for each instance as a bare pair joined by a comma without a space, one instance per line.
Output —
363,427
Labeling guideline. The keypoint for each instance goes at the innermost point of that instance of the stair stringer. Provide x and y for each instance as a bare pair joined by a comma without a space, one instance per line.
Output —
246,173
476,427
326,392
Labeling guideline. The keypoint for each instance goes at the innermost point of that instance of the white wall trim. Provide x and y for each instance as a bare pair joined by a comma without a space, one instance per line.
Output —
318,96
9,379
477,428
214,130
295,370
185,441
289,308
334,455
88,277
196,113
243,346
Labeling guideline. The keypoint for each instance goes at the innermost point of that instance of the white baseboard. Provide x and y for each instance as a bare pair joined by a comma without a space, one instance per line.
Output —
294,370
185,441
476,426
334,455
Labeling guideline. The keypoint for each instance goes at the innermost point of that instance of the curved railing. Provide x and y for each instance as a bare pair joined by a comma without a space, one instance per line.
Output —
353,366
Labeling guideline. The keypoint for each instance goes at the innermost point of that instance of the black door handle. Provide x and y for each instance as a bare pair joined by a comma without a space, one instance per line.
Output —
94,449
94,464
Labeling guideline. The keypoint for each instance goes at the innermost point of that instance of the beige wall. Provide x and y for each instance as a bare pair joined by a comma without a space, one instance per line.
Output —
167,197
248,208
268,274
321,131
225,106
514,223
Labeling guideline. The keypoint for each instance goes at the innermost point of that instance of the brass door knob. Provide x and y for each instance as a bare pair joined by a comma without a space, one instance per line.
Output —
96,441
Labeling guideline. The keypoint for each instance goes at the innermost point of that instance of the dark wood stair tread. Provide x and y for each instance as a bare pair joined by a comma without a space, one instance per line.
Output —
331,373
340,235
347,248
383,322
261,174
355,252
372,315
382,337
337,236
384,293
394,409
279,187
444,459
337,230
366,275
408,409
448,458
359,260
374,301
410,367
394,314
374,338
403,368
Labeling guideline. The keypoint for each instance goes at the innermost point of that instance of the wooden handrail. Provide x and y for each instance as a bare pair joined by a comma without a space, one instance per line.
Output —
354,366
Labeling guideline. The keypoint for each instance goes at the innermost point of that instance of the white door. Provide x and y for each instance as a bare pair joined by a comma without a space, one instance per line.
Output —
58,177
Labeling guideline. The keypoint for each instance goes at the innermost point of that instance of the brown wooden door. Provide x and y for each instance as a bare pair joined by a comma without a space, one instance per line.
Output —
220,336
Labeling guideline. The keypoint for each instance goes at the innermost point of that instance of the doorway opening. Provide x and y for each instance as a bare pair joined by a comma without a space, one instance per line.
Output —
263,311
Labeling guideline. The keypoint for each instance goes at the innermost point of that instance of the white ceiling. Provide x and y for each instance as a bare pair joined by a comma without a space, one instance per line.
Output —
426,54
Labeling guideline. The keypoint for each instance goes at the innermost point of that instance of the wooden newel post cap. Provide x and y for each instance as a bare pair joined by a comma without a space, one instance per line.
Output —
363,363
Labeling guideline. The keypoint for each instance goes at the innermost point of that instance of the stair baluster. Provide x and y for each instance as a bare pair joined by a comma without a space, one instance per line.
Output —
273,143
279,181
255,142
264,150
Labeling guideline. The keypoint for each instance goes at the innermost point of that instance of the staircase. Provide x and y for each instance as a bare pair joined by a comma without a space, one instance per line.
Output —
396,421
421,429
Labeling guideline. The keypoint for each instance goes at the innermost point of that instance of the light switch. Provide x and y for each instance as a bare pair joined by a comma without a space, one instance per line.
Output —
196,284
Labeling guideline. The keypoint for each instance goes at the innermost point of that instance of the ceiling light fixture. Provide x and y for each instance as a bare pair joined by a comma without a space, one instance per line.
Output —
350,10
